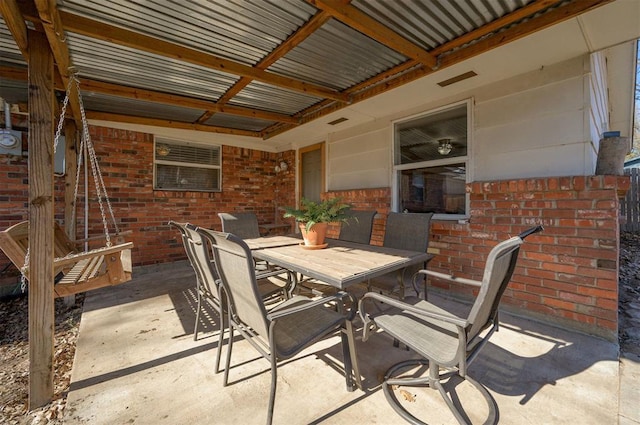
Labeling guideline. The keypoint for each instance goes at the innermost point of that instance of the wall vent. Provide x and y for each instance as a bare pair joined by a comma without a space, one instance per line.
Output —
457,79
338,121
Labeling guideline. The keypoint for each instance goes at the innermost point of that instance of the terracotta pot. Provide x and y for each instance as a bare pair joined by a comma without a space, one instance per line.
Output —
316,235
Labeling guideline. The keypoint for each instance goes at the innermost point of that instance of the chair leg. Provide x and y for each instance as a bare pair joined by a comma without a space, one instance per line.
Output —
463,419
223,327
292,284
195,328
272,394
432,381
350,357
229,347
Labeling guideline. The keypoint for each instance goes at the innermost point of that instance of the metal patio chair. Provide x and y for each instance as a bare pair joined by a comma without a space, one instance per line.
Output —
245,226
285,330
206,279
359,228
274,283
409,231
206,285
242,224
444,340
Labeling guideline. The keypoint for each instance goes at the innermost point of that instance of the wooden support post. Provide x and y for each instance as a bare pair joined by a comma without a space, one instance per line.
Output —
41,299
70,165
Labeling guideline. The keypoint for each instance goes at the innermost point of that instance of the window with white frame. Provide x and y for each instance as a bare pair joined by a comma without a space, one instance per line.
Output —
431,162
186,166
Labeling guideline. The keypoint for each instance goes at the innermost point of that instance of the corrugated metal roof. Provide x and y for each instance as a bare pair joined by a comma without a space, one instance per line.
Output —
241,30
140,108
273,99
9,51
430,24
312,63
105,61
353,56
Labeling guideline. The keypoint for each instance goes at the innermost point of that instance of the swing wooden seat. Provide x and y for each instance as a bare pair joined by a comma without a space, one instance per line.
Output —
76,271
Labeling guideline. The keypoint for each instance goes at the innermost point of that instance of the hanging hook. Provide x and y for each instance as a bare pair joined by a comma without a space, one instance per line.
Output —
72,72
62,38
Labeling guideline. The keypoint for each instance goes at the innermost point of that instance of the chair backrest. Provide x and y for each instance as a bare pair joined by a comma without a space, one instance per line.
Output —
203,259
242,224
188,248
408,231
498,270
234,264
359,228
197,253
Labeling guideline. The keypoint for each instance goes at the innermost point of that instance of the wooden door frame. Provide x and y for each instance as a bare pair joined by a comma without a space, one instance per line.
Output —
317,146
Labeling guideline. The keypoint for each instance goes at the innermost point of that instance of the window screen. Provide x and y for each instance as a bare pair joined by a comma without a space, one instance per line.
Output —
187,166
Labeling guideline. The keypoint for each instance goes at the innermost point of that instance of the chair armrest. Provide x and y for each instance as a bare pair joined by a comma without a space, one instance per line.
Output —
450,277
273,315
74,258
272,272
454,320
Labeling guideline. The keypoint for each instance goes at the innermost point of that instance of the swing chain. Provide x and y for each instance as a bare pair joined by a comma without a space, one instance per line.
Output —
63,113
23,272
85,143
101,188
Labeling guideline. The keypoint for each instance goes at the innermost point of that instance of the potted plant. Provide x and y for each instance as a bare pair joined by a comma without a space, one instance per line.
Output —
314,217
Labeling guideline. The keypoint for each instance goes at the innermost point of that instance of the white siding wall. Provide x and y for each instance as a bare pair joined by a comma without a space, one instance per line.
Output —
534,125
599,105
360,160
620,59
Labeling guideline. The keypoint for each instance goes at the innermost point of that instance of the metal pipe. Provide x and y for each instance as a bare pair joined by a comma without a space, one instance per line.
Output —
7,115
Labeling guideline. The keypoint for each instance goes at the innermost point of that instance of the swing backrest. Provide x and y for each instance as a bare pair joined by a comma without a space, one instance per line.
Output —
75,271
14,242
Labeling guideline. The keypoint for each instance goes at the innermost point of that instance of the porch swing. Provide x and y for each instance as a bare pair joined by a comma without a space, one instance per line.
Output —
76,270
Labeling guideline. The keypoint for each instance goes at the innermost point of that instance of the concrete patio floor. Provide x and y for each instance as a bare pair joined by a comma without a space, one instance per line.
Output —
136,362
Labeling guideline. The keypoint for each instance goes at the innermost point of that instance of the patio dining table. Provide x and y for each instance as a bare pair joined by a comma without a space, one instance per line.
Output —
340,264
272,241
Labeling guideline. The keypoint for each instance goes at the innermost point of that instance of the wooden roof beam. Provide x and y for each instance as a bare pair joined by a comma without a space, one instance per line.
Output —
296,38
135,40
360,21
15,22
19,74
286,46
515,16
537,23
177,100
55,35
106,116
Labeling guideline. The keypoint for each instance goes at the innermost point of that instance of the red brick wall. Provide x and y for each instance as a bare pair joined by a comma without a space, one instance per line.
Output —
568,273
14,189
249,182
365,199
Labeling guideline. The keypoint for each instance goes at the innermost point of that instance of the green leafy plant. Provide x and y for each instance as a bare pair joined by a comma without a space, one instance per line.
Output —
327,211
